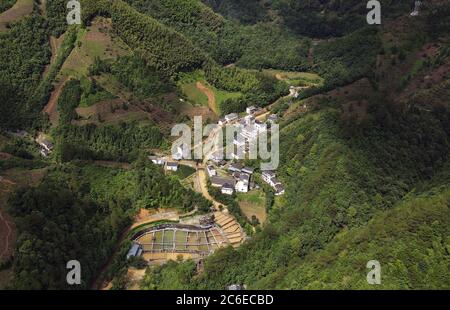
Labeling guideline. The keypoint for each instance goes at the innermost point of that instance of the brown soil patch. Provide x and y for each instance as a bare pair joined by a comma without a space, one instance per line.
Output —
113,111
19,10
204,112
55,44
51,107
211,97
5,156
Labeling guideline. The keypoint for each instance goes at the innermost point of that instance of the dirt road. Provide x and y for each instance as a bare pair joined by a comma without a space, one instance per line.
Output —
51,106
211,97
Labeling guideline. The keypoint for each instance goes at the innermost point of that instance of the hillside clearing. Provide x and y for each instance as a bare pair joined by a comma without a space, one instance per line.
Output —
253,204
17,12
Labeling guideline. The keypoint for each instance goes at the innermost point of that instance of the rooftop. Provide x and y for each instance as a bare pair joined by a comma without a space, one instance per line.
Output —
221,181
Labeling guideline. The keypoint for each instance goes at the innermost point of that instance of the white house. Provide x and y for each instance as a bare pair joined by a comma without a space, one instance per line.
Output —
135,251
250,110
243,184
217,181
249,119
241,187
268,175
172,166
46,145
273,118
211,171
260,126
231,117
248,170
279,189
235,167
417,5
294,91
157,160
227,189
222,121
44,152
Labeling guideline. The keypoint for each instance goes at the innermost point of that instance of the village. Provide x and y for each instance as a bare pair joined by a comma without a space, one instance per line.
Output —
231,175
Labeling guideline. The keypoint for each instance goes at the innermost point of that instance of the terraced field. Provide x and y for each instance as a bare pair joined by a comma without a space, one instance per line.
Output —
181,239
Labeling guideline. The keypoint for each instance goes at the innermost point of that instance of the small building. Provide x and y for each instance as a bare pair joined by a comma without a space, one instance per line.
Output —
241,187
227,189
231,117
260,126
135,251
238,155
273,182
248,170
211,171
172,166
250,110
279,189
244,177
206,221
44,152
157,160
222,121
267,175
236,175
249,119
235,167
46,145
235,287
217,181
294,91
273,118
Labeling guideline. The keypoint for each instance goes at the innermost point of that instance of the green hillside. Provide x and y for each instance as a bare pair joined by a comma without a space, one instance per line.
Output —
364,147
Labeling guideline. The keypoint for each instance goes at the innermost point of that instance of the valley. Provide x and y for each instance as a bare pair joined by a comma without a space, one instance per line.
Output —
87,168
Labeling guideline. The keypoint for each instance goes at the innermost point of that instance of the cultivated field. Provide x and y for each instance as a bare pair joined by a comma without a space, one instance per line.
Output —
181,239
296,78
19,10
253,204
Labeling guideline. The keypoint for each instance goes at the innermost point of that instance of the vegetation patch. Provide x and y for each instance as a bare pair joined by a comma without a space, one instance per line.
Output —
253,205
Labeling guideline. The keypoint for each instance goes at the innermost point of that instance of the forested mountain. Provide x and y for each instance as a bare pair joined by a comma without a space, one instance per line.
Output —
364,148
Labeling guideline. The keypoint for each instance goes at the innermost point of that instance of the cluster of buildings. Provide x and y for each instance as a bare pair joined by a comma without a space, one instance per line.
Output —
160,161
45,146
249,128
270,177
238,181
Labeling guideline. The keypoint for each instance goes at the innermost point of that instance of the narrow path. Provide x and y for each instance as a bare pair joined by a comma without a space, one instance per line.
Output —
211,97
54,45
201,177
51,106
